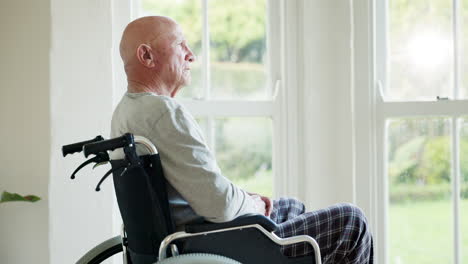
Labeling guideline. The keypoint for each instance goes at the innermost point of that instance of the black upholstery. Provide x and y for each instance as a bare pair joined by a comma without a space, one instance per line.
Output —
266,223
142,198
143,203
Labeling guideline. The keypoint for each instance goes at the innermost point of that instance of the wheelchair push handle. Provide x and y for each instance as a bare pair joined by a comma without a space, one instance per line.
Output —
78,147
109,144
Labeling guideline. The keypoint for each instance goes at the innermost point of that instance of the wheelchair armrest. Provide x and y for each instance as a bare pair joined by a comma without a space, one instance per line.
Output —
248,219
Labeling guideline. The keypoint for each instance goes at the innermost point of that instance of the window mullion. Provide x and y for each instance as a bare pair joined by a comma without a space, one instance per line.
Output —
456,188
382,45
456,135
429,108
456,49
206,51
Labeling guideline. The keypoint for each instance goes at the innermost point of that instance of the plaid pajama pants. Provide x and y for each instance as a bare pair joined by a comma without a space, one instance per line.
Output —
340,230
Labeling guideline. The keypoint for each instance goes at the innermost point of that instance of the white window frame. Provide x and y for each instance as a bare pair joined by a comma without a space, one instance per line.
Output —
372,112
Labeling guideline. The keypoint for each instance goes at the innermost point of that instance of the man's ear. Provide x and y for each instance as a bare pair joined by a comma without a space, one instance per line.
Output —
145,55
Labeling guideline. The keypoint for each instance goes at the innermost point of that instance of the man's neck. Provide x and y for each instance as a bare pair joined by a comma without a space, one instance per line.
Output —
140,87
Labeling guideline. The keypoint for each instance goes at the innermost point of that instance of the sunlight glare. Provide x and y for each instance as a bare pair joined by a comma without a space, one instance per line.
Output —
428,51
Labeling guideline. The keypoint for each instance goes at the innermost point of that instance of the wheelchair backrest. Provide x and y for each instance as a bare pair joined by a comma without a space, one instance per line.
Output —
144,207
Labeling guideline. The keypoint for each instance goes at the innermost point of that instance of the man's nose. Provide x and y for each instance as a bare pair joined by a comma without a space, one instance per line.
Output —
190,57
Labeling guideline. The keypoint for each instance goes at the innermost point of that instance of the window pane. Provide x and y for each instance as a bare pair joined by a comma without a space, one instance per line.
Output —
188,14
420,210
237,39
243,151
420,49
464,189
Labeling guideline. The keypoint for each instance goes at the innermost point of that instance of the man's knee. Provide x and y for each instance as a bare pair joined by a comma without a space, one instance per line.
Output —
356,228
357,234
354,212
354,215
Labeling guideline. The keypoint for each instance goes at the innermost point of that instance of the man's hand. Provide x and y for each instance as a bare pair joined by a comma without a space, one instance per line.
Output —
262,203
268,205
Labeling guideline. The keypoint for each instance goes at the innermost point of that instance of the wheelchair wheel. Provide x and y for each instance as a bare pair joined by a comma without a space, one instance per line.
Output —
102,252
198,258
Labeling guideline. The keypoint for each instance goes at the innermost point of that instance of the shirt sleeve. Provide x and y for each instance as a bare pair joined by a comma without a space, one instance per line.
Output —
192,170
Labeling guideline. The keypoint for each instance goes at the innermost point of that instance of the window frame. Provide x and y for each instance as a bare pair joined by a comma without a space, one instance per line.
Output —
372,112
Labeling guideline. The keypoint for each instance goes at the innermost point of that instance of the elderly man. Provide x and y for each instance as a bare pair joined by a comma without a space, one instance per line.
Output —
157,63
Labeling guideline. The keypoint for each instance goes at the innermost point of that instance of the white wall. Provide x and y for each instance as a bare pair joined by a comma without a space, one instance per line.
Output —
25,129
87,81
81,108
56,87
326,103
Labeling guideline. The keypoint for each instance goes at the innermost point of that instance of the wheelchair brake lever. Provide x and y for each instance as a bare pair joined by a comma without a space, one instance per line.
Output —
81,166
98,187
99,158
100,164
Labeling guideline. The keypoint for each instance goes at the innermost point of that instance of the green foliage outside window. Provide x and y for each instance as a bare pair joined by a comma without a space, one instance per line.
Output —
420,160
243,146
243,152
237,28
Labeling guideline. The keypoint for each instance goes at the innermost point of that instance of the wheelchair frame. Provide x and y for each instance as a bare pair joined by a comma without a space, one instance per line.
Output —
118,244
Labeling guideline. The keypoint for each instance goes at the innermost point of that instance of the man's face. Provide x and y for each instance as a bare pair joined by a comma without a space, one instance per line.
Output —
174,58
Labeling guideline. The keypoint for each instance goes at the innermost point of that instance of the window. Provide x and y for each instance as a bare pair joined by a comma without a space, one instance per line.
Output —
421,122
231,90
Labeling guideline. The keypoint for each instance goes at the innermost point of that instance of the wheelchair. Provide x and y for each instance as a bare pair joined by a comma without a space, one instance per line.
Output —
148,232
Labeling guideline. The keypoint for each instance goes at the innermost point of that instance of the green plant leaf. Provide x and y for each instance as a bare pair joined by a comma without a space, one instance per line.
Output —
14,197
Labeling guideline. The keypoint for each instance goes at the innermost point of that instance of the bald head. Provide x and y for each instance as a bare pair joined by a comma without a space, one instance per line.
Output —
156,56
145,30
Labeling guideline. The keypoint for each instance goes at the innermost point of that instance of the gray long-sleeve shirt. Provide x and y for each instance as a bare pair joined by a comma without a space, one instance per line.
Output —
197,187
